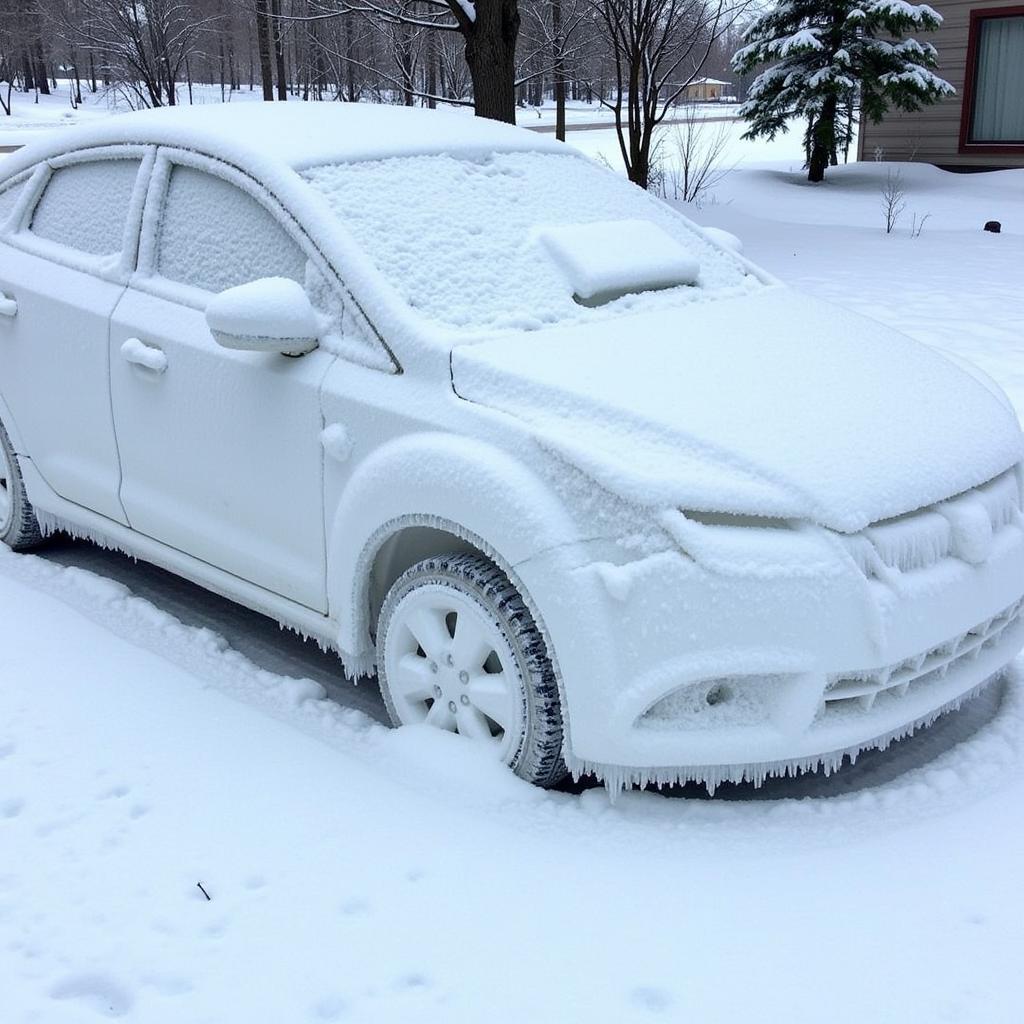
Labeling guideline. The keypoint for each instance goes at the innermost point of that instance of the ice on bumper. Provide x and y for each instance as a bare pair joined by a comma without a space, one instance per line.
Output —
759,649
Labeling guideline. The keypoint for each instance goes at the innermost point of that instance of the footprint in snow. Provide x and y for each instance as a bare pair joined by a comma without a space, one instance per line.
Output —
412,981
11,808
330,1008
99,992
115,792
353,907
656,1000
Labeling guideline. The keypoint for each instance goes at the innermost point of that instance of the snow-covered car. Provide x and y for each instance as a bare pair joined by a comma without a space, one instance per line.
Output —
577,480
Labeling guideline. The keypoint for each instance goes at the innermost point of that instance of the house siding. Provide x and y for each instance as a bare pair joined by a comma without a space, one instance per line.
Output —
932,135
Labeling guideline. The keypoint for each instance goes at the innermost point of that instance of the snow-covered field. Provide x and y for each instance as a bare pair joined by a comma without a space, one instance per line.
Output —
153,738
33,114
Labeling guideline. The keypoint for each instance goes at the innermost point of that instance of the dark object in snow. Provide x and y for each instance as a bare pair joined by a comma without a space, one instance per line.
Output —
203,891
994,226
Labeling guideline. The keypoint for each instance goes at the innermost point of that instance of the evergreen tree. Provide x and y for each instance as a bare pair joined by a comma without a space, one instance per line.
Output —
825,57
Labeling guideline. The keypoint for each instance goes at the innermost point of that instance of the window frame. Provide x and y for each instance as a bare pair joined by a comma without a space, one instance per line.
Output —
22,180
146,278
16,229
977,16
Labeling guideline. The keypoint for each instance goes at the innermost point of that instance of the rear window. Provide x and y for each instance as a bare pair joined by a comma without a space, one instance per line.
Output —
85,206
462,240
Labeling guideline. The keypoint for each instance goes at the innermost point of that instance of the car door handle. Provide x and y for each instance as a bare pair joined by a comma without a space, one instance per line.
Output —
137,352
8,306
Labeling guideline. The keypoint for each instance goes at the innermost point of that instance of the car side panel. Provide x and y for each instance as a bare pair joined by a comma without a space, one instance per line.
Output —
221,451
54,376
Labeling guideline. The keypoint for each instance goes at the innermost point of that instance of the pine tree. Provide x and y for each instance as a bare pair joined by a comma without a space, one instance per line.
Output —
825,57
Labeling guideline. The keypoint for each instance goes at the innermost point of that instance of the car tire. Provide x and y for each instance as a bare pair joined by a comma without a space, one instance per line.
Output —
457,648
19,529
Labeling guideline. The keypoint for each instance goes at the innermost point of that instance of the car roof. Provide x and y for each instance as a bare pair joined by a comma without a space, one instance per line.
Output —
296,134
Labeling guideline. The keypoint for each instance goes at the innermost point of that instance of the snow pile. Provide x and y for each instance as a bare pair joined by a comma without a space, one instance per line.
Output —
618,257
457,238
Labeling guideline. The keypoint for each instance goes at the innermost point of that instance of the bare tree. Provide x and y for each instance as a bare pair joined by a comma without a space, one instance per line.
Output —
557,30
693,163
894,199
489,29
657,48
143,45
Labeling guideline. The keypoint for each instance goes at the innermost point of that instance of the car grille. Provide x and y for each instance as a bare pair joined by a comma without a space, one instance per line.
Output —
861,689
962,527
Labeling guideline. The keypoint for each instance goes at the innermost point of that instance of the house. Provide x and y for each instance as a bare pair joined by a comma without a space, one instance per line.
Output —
706,90
981,53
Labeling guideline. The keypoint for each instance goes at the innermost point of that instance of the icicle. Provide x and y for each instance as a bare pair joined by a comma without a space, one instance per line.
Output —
616,778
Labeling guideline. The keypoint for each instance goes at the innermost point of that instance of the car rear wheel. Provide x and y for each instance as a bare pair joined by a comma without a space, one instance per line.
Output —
459,650
19,529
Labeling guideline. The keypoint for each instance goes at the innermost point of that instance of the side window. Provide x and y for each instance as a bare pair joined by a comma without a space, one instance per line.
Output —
214,236
85,206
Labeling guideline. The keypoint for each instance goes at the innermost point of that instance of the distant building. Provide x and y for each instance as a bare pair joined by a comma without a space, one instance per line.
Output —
981,53
706,90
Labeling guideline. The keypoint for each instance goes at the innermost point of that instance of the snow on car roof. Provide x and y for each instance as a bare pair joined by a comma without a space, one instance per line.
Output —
298,135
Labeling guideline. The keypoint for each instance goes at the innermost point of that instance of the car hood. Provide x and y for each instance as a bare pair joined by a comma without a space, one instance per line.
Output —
771,404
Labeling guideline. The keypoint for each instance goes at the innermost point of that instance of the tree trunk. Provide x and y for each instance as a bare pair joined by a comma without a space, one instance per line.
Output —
42,82
76,92
282,82
823,140
263,43
431,59
491,57
558,58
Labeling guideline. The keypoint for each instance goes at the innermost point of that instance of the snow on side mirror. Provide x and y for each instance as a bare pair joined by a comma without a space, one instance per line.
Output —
273,314
605,260
726,239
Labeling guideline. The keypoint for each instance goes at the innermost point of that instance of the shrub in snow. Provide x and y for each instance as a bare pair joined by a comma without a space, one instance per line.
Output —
825,59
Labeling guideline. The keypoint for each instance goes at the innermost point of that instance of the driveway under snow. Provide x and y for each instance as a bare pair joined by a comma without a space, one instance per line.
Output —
154,738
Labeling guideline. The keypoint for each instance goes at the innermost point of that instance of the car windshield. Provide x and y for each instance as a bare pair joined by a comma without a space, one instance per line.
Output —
463,240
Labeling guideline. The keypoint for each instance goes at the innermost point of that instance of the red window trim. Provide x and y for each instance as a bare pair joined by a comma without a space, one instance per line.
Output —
977,16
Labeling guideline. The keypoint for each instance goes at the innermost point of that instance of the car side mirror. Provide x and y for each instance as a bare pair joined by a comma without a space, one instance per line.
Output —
273,314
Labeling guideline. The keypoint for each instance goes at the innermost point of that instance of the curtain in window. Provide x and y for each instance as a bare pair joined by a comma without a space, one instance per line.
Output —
999,82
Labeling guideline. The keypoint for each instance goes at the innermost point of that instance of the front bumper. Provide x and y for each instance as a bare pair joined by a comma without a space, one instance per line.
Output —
671,671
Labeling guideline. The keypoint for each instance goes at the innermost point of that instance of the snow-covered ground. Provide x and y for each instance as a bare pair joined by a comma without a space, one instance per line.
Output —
954,285
32,113
153,737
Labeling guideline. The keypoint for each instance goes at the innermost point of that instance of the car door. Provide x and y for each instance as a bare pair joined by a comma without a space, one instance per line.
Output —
66,251
220,449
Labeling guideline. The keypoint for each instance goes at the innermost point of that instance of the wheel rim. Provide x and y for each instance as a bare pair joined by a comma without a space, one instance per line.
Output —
6,487
448,664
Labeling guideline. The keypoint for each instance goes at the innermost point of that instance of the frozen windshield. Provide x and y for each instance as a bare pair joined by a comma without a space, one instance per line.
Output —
463,241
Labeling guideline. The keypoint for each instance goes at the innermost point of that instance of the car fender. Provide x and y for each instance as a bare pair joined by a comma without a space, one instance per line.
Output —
478,491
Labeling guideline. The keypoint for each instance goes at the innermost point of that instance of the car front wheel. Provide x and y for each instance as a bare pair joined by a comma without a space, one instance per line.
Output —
19,529
458,649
